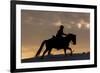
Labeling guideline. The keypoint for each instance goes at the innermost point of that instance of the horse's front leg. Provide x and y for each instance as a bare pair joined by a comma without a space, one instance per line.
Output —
65,51
71,50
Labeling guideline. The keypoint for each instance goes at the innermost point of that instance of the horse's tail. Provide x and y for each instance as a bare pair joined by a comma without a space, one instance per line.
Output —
41,47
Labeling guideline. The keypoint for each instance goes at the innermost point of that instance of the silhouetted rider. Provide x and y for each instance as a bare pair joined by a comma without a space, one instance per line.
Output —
60,32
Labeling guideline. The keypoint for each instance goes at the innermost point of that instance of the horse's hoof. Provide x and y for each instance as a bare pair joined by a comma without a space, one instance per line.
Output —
65,54
42,57
71,54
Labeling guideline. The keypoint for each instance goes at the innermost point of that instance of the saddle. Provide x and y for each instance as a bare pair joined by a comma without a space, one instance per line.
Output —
58,39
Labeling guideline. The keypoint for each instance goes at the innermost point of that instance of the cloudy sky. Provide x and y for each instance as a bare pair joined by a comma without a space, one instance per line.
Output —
37,26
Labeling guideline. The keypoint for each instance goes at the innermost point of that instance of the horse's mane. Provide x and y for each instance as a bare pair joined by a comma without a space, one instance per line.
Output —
70,34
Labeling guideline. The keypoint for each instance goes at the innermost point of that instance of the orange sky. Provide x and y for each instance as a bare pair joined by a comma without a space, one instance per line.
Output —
41,25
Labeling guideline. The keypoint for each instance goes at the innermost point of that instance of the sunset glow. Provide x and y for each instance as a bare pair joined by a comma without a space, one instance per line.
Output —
79,25
37,26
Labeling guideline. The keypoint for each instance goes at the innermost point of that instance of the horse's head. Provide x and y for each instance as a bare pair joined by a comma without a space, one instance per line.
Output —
72,37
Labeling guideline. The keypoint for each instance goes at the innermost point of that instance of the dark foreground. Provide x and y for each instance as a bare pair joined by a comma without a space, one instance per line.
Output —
58,58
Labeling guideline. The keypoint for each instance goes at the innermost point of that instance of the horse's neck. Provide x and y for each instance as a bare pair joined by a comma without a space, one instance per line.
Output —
68,39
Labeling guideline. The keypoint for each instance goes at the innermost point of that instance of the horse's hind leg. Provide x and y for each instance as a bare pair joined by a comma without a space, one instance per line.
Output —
44,52
49,52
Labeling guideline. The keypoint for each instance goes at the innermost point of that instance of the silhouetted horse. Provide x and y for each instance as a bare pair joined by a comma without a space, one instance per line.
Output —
57,43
